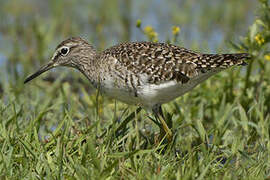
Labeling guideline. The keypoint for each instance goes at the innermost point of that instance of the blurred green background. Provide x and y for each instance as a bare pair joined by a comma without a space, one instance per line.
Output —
58,127
34,28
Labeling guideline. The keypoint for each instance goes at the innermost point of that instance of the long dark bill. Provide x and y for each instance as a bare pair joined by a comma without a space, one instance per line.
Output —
43,69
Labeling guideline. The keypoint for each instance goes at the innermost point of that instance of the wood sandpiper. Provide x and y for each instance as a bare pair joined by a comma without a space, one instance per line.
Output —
146,74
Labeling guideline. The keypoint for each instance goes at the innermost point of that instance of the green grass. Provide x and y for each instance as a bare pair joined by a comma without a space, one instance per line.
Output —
63,129
54,131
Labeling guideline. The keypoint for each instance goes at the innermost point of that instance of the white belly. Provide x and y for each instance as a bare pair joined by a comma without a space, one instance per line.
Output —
149,95
166,92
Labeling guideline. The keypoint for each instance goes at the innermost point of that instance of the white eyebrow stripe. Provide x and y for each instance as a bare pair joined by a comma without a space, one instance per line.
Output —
57,51
68,45
55,54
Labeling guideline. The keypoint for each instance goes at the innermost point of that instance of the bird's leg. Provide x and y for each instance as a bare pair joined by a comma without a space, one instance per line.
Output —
165,130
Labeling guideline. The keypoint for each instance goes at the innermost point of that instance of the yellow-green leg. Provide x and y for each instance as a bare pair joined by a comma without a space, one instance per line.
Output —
165,130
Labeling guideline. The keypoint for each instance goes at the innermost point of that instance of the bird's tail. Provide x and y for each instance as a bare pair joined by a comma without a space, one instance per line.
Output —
224,60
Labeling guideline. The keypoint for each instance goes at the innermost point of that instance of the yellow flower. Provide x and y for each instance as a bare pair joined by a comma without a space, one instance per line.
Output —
259,39
176,30
267,57
138,23
148,29
150,33
153,34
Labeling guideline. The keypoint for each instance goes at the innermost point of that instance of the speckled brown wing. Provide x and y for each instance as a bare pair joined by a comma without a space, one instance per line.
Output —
164,62
161,62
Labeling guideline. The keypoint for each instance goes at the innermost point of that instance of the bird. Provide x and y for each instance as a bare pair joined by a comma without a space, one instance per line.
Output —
146,74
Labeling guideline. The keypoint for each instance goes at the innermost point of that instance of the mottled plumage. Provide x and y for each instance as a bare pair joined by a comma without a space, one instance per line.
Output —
164,62
142,73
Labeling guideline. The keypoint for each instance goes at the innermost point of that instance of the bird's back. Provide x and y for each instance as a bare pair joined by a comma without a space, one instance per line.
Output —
165,62
150,69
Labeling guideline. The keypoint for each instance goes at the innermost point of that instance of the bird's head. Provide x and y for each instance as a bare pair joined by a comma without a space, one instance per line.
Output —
68,53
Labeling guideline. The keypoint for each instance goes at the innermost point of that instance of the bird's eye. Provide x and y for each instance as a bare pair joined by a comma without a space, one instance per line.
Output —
64,50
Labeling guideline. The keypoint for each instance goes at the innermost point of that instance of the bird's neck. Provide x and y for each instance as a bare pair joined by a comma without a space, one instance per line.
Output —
88,67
